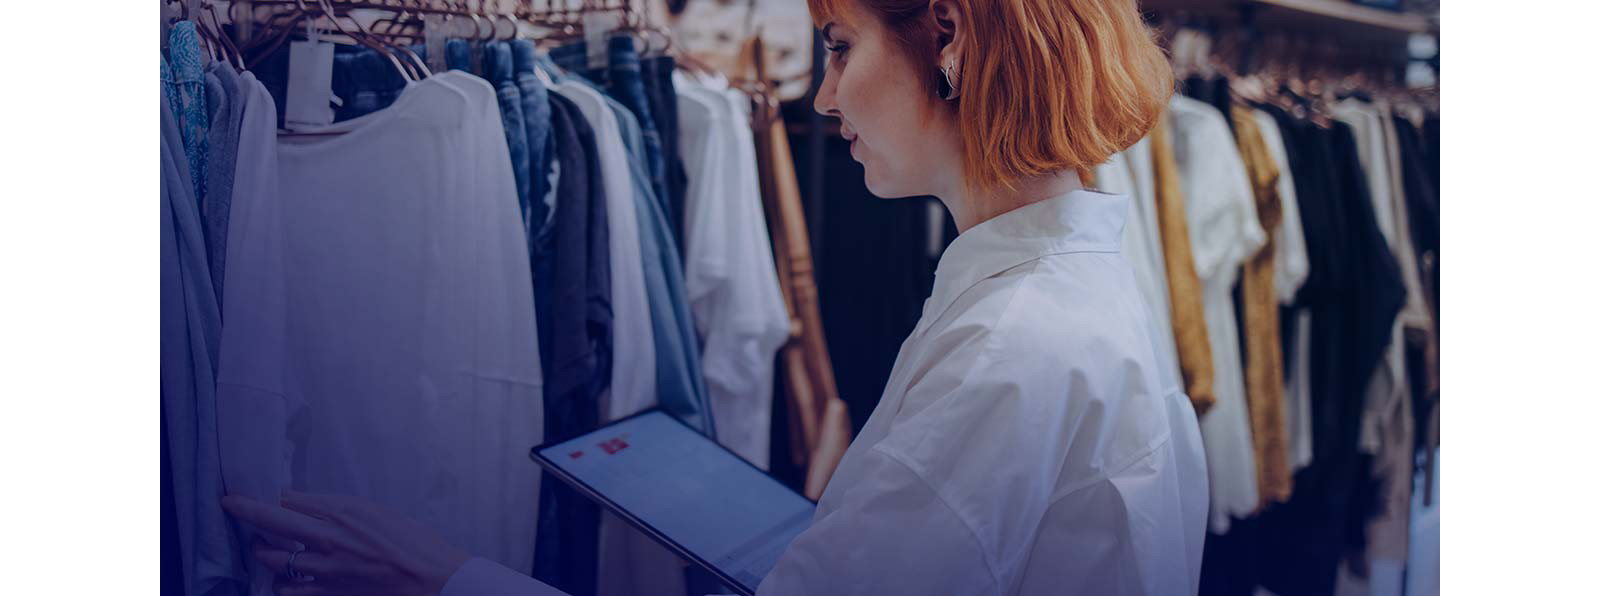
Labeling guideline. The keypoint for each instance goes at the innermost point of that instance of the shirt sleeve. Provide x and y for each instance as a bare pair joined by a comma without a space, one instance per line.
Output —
892,534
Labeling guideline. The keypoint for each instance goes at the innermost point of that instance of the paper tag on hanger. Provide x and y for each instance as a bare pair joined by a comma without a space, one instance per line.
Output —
597,26
308,99
433,35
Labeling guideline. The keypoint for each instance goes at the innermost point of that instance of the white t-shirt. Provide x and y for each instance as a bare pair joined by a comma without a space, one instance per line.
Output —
729,273
633,369
1224,231
411,340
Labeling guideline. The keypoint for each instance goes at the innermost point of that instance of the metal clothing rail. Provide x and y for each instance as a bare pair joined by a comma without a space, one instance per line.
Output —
1333,18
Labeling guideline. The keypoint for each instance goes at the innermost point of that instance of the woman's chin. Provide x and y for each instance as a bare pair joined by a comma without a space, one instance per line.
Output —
889,190
884,187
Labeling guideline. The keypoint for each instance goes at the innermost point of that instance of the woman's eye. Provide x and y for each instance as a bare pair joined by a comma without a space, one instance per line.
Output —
837,49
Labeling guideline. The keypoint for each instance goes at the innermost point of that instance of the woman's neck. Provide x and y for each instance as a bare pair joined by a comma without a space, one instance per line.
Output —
969,211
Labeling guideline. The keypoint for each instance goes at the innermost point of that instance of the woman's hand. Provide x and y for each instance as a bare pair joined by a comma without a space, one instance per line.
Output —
352,547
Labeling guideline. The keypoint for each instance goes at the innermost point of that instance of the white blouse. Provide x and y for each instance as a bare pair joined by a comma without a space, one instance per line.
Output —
1224,231
1028,442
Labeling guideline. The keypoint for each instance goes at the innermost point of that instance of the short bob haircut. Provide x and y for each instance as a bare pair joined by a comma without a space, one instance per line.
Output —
1046,85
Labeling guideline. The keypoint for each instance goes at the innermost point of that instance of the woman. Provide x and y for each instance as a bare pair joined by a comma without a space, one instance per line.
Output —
1027,442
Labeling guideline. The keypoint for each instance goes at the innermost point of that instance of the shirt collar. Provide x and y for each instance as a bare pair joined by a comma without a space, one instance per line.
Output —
1078,221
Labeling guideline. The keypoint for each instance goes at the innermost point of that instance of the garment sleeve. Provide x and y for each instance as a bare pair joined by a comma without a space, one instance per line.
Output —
1290,264
1223,225
892,535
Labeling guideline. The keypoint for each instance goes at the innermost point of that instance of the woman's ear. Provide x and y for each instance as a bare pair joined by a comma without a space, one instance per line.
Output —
951,27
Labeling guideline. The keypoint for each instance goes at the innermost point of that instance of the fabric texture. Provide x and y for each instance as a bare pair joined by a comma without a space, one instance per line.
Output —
1420,174
1109,493
1353,293
680,382
1264,385
253,391
411,344
1224,232
662,93
1387,423
575,299
729,273
1130,173
1290,268
500,71
188,98
626,83
191,329
914,508
1183,284
630,562
226,101
536,119
632,385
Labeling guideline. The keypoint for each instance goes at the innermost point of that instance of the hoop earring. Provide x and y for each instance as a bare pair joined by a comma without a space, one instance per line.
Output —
949,87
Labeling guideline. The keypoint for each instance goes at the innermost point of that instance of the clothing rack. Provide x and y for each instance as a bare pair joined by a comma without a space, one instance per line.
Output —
1340,19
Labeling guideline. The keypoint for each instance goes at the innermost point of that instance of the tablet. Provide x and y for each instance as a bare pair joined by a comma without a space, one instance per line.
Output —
692,495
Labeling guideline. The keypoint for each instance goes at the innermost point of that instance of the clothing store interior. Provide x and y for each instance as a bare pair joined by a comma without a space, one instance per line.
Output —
664,222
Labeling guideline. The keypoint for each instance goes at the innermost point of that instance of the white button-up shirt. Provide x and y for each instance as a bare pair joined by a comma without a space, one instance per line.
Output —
1028,442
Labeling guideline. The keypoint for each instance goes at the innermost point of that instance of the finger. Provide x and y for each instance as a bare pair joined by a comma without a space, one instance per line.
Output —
307,562
279,521
315,505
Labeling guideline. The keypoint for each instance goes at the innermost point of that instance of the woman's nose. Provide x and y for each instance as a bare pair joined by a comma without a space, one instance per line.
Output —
824,102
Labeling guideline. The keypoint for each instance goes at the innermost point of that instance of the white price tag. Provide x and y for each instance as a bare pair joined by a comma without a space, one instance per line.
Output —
309,97
597,26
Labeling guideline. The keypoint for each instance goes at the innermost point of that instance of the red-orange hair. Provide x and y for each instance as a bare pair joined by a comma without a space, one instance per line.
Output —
1046,85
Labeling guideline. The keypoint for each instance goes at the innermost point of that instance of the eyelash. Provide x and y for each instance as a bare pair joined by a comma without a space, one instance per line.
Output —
837,49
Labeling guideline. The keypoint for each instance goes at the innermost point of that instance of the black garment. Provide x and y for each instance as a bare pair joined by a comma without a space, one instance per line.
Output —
1419,165
575,348
1419,168
874,274
573,304
1229,566
663,98
1354,292
1214,91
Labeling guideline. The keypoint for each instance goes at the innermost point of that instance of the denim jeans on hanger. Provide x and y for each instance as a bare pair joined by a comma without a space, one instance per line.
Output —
536,121
458,55
498,66
365,82
680,388
626,84
664,106
572,57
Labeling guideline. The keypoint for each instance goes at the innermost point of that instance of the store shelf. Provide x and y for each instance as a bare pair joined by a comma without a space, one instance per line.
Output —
1336,18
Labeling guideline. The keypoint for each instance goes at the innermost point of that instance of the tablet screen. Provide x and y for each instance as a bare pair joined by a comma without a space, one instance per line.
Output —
696,497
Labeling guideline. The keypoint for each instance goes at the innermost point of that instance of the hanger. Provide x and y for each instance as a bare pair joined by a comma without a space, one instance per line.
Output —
412,61
231,51
365,39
